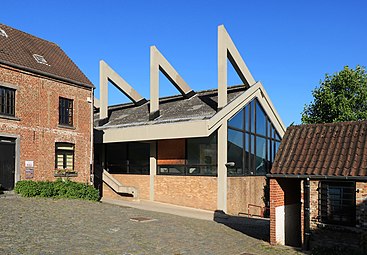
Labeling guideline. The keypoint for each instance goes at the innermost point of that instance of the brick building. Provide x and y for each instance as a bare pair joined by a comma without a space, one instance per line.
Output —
318,186
206,149
45,111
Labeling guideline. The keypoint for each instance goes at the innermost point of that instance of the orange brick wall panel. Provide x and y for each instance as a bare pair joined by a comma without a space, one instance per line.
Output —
36,105
141,182
243,191
191,191
171,152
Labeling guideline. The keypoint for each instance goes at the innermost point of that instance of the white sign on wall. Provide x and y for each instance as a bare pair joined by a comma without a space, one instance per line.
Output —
29,163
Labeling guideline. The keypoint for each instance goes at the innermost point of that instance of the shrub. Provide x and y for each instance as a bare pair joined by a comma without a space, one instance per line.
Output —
57,189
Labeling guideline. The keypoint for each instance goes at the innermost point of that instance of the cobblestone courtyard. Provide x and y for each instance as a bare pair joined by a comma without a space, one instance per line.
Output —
46,226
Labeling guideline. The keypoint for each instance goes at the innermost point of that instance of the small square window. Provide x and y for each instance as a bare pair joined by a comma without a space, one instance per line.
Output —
3,33
40,59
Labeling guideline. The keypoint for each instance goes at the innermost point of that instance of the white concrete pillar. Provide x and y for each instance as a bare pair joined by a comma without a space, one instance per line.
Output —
153,168
222,169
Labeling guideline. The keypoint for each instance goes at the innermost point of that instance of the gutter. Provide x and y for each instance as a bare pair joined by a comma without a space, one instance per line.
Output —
317,177
53,76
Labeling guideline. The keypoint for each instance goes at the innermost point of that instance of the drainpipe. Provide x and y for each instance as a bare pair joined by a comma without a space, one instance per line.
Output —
91,156
307,232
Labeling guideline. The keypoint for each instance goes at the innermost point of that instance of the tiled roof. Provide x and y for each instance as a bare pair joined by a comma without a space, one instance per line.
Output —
17,49
203,105
333,149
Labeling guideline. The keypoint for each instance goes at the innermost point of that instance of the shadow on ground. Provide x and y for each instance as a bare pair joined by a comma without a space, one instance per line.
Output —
258,228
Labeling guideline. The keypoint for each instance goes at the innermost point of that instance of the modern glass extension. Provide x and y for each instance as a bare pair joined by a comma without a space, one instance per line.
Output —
252,141
200,158
127,158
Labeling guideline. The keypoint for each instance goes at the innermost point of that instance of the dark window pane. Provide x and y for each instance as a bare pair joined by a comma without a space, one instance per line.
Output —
269,128
139,158
277,144
260,120
247,118
260,156
252,155
65,111
252,109
116,158
268,147
337,203
247,154
202,151
235,150
7,101
277,137
174,170
237,120
201,170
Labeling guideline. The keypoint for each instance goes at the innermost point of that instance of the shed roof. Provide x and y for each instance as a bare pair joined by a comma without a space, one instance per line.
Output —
322,150
203,105
17,49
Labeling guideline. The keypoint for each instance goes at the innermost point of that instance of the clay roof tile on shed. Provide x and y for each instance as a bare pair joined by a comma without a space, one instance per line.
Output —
24,51
331,149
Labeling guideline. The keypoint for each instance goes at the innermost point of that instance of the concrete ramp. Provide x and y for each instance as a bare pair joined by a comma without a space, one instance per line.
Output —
117,186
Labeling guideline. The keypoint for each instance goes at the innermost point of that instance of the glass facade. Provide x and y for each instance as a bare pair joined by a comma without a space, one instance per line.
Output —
200,158
252,141
127,158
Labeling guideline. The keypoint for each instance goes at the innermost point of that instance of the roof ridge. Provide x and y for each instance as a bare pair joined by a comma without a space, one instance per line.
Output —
29,35
338,123
177,96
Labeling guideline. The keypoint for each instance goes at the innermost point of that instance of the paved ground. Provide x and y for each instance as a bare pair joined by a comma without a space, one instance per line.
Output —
46,226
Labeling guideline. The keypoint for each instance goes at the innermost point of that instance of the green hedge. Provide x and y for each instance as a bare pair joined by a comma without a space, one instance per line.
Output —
58,189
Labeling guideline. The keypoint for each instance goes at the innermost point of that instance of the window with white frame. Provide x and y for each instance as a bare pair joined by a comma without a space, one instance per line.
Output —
64,156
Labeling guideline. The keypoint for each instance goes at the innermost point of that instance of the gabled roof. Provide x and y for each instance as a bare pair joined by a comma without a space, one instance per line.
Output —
201,106
20,50
322,150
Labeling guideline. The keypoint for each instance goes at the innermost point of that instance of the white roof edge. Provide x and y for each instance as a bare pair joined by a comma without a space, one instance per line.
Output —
197,128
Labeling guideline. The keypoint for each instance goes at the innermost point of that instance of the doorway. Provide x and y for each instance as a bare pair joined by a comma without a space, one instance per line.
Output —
7,163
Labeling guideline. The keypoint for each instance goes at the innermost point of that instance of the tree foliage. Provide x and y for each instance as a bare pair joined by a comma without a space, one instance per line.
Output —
340,97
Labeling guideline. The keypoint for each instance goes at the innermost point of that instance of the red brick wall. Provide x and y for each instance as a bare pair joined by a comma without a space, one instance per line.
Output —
331,235
37,104
283,192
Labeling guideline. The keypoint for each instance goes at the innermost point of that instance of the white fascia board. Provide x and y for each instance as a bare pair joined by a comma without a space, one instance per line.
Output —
197,128
185,129
255,91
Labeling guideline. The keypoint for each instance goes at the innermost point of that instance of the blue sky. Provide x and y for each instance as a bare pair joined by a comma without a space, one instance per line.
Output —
287,45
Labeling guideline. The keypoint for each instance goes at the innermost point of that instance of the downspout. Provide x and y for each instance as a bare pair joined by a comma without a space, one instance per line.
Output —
92,139
307,232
